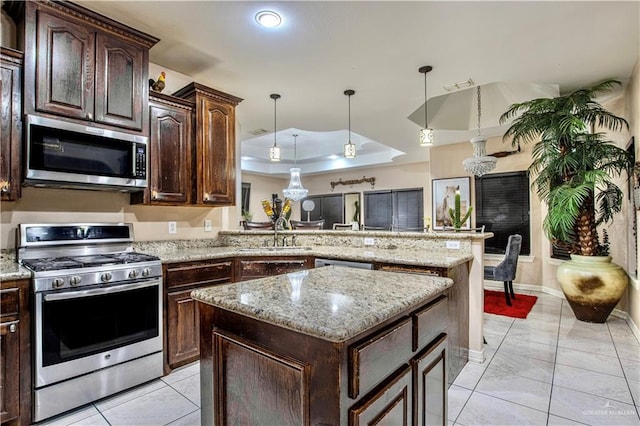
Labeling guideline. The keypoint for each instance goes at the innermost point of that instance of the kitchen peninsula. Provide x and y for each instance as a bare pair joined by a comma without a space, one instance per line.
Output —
330,345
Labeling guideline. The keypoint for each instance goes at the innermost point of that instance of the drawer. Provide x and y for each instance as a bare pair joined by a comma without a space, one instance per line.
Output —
429,322
432,271
198,273
265,268
373,359
9,303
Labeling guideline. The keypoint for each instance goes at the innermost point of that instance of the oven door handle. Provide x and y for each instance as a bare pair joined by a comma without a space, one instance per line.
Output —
99,291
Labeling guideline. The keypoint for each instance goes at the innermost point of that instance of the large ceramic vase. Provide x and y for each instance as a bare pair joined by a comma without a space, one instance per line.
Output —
593,286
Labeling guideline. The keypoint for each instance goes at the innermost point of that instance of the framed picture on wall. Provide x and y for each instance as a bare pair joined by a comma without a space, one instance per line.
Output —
443,198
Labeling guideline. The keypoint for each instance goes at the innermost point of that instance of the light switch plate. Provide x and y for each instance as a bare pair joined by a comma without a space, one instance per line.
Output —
207,225
454,245
173,227
369,241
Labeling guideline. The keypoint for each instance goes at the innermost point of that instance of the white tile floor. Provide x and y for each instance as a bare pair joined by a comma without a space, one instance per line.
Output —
549,369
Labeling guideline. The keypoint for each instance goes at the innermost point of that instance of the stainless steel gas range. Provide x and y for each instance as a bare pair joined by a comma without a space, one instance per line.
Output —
97,312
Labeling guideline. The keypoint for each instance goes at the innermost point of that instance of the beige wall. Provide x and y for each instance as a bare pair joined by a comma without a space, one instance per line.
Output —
633,116
261,189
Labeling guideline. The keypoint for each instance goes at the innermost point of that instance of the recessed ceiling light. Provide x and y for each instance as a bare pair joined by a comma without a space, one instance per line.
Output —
268,18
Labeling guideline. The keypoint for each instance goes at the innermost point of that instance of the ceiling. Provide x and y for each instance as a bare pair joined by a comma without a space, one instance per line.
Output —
323,48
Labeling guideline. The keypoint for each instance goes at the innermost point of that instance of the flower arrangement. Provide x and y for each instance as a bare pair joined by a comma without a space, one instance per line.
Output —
276,208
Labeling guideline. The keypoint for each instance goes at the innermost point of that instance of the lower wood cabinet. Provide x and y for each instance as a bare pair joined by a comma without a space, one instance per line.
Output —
182,344
15,353
254,372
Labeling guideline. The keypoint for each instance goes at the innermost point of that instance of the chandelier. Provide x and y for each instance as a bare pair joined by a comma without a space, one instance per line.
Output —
480,163
274,151
295,191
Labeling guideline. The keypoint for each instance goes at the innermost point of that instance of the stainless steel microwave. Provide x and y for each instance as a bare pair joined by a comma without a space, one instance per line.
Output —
69,155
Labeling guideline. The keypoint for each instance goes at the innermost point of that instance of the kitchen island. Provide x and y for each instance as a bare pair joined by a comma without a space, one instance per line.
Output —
331,346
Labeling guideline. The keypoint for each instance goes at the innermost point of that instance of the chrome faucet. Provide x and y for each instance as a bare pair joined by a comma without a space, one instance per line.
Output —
279,226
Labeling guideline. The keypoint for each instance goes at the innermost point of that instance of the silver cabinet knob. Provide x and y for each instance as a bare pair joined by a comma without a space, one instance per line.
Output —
12,328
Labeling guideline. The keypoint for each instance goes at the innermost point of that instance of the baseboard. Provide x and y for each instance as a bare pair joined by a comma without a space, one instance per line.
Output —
498,286
476,356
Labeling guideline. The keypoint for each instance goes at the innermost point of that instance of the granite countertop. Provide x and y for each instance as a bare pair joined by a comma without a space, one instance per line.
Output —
332,303
10,270
401,256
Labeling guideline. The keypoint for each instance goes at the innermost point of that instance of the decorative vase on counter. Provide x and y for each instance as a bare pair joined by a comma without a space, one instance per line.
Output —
593,286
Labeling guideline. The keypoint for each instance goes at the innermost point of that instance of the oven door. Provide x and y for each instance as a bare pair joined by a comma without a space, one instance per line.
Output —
81,331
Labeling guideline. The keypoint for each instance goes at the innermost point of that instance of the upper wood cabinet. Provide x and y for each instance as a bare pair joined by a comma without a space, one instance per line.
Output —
215,144
10,123
171,152
81,65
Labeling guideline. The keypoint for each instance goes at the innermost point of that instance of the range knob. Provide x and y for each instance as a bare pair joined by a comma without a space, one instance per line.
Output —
57,282
75,280
133,273
146,272
106,277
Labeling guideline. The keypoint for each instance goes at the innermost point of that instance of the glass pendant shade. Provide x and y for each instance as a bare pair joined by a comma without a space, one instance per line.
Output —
426,137
295,191
480,163
274,153
349,150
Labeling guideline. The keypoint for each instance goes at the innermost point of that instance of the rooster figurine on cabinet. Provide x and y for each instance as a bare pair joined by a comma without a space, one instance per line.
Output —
157,85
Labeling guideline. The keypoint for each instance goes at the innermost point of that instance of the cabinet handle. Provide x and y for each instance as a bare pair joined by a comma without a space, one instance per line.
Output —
4,186
154,195
205,197
90,116
12,328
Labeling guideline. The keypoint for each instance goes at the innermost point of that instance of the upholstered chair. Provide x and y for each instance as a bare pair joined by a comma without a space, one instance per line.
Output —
505,271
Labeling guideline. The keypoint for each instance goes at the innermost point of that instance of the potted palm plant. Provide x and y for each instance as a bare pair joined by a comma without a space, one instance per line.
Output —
574,167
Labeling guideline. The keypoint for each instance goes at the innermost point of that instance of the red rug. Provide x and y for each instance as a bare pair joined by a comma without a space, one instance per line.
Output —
494,303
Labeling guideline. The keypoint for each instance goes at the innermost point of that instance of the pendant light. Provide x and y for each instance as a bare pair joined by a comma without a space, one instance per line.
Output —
295,191
349,148
426,134
274,151
480,163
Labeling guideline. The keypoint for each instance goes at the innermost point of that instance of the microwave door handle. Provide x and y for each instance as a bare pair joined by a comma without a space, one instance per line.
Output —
133,161
99,291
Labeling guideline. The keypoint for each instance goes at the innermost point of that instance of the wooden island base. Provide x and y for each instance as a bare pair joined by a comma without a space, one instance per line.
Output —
256,372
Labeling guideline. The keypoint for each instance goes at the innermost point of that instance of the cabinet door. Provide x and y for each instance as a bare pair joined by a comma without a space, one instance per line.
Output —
183,328
389,405
9,369
10,124
65,67
120,82
430,381
170,154
215,153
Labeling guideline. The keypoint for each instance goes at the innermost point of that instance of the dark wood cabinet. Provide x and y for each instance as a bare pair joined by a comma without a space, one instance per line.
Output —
15,353
215,142
170,152
10,124
430,384
84,66
182,344
258,267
